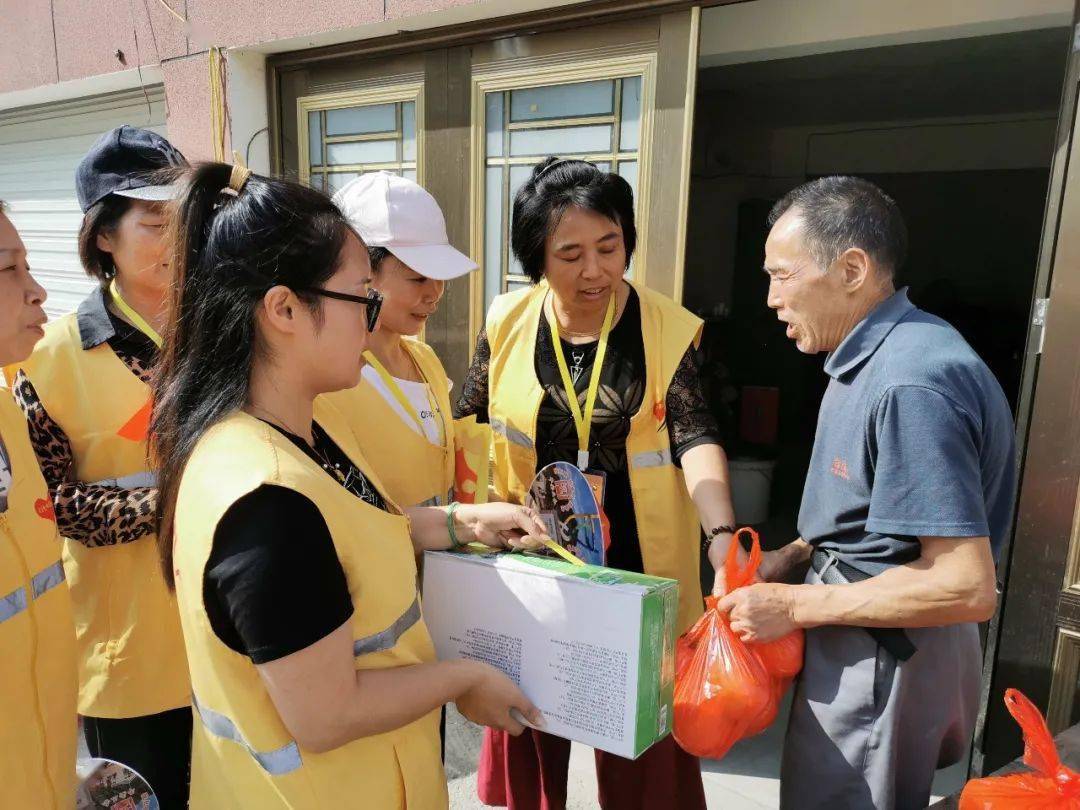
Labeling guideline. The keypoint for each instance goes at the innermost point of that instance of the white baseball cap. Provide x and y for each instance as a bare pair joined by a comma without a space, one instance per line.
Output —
397,214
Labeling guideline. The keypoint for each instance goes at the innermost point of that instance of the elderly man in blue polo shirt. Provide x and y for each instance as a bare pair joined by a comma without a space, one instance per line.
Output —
907,501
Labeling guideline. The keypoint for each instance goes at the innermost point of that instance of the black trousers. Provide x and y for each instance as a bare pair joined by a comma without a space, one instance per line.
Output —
157,746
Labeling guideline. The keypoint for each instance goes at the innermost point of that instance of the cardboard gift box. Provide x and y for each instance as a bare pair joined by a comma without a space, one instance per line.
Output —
592,647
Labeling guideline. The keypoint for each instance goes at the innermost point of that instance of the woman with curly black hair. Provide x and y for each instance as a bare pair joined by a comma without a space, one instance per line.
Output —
593,369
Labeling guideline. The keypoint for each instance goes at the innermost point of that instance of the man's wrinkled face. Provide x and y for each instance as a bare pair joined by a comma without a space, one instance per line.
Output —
808,298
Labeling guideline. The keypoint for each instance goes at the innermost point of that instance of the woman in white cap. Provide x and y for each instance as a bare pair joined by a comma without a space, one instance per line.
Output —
85,394
404,389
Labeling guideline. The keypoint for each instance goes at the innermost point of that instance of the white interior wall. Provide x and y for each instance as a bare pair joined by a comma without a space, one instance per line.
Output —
735,159
775,29
732,165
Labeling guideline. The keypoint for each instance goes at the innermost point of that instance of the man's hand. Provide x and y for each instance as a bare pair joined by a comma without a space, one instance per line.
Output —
777,566
761,612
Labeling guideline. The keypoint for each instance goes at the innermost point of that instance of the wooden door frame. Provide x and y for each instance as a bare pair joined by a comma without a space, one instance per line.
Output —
555,72
560,18
1024,644
568,17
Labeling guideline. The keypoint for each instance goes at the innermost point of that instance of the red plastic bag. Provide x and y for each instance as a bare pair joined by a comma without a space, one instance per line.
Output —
721,688
725,689
783,658
1051,786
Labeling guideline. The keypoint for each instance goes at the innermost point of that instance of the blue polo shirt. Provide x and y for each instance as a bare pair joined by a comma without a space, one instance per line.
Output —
914,438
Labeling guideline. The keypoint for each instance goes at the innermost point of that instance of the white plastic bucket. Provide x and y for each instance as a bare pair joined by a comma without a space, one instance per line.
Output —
751,481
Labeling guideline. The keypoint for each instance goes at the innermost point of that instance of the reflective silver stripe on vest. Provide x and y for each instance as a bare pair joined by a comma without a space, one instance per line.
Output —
276,763
653,458
47,579
12,604
44,580
511,434
133,481
385,639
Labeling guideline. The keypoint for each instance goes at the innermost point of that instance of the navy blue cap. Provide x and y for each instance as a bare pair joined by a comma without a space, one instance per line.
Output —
123,162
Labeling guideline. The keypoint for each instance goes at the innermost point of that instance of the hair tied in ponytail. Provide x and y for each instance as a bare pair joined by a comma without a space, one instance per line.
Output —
238,177
228,249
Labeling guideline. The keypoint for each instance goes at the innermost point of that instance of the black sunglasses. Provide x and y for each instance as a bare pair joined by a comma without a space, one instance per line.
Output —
372,301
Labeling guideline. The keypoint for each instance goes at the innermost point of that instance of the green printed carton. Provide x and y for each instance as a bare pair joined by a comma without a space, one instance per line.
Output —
593,648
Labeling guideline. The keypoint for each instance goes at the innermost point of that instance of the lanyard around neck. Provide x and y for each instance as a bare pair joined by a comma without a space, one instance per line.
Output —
137,320
582,421
402,400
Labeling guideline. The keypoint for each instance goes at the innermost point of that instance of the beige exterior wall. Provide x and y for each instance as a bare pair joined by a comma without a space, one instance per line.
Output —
75,49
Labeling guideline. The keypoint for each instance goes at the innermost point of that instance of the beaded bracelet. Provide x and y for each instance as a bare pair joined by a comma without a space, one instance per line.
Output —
712,533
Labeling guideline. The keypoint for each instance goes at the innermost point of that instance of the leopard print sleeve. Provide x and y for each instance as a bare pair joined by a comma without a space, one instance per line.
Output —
91,514
51,445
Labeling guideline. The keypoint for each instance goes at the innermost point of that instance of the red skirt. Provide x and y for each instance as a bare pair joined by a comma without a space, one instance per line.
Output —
529,773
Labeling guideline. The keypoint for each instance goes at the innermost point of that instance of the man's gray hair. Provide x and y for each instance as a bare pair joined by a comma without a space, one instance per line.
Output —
840,213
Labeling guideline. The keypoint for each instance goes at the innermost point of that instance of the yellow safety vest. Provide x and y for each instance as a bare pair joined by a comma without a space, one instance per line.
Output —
667,521
244,756
130,652
414,471
37,637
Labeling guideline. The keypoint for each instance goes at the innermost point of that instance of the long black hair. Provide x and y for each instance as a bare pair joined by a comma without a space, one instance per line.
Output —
228,248
555,185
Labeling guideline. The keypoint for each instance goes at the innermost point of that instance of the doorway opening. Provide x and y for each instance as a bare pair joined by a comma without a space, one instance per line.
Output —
960,132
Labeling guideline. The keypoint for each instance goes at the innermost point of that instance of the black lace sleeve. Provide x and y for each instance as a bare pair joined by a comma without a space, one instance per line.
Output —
690,422
474,391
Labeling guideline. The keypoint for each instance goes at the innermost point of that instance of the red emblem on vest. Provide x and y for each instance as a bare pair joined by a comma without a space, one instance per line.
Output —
839,469
137,427
44,509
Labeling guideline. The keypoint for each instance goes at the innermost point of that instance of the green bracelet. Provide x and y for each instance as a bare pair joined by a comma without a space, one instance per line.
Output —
455,543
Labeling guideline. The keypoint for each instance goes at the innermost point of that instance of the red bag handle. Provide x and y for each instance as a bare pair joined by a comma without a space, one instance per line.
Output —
738,577
1040,752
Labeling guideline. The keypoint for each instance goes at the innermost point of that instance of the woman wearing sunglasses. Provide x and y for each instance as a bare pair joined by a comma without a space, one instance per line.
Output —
404,385
37,635
313,675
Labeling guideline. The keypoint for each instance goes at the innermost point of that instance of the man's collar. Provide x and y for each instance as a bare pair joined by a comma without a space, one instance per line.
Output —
868,334
95,325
